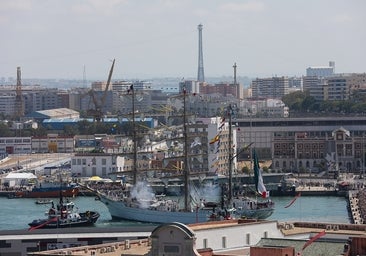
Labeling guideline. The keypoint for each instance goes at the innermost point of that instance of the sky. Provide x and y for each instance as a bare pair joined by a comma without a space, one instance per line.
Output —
70,39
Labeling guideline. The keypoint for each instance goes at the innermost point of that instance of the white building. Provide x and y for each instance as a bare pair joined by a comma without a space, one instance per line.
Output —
96,164
218,145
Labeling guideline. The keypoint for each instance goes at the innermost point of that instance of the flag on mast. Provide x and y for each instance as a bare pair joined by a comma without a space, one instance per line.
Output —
259,184
215,139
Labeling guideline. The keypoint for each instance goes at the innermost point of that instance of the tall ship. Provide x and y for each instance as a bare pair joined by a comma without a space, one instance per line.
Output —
259,206
131,204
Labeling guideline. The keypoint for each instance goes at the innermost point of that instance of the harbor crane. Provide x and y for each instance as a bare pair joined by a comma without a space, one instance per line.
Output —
97,112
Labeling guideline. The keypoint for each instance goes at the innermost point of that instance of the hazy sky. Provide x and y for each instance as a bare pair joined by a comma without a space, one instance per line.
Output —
159,38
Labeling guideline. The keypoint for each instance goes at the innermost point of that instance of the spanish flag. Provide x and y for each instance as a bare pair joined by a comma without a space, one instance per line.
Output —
217,138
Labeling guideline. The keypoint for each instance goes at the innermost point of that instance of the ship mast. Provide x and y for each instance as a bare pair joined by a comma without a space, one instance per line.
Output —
185,163
230,196
134,136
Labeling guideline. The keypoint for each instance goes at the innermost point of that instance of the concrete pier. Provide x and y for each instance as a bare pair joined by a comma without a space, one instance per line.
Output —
357,205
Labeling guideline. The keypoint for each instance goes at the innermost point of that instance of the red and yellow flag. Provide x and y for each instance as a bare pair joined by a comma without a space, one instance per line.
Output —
215,139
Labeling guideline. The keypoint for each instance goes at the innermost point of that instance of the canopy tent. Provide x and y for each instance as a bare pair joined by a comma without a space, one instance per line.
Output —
98,179
95,178
19,178
21,175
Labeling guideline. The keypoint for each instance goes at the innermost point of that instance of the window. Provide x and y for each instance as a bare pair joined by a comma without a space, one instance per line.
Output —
172,249
248,239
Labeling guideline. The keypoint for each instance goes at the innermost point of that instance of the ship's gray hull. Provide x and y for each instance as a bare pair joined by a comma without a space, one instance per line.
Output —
118,209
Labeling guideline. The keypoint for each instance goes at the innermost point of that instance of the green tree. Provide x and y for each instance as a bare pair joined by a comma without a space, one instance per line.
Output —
70,130
5,130
245,170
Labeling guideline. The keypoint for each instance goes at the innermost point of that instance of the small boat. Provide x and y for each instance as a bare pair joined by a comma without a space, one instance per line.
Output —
44,201
64,215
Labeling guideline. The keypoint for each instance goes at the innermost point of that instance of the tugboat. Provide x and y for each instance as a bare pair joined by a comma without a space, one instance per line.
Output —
63,216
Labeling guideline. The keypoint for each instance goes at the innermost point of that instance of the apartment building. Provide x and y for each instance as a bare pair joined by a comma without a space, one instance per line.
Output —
321,71
273,87
335,87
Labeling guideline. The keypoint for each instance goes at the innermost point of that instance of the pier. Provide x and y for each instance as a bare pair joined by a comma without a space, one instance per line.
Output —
357,205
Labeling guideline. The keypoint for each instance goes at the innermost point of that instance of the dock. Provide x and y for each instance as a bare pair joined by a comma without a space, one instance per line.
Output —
357,205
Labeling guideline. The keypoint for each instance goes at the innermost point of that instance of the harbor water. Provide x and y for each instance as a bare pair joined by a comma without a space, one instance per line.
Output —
17,213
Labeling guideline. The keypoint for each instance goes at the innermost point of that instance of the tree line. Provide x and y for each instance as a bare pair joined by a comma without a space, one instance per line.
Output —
301,103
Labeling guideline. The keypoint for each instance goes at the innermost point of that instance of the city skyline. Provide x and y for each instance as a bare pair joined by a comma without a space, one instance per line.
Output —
157,38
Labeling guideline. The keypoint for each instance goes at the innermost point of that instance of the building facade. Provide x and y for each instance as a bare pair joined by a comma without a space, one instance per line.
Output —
96,164
331,151
53,143
321,71
262,131
15,145
273,87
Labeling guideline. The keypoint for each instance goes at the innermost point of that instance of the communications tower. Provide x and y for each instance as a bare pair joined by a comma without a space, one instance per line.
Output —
19,106
201,73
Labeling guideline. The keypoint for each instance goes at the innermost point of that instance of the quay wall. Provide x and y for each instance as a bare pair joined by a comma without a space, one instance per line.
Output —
356,206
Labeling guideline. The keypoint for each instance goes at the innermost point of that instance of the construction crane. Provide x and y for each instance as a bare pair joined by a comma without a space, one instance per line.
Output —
97,112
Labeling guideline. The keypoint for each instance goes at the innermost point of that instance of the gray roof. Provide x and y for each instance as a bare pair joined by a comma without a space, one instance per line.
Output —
55,113
20,175
58,112
322,246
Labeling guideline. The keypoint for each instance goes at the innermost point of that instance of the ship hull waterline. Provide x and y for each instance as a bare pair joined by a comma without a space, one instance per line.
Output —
119,210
